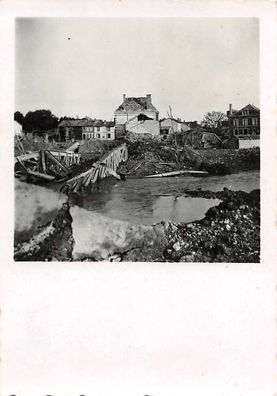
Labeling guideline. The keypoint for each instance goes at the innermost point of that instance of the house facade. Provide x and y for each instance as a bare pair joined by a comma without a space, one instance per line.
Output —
244,123
142,124
134,106
168,126
174,125
85,129
101,130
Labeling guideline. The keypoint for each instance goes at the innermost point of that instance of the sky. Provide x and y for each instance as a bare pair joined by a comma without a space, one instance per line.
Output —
82,66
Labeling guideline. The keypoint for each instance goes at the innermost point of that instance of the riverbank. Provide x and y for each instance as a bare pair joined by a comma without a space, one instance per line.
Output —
153,157
229,232
150,156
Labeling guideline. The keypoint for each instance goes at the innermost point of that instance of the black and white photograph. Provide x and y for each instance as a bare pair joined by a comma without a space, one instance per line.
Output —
137,139
138,197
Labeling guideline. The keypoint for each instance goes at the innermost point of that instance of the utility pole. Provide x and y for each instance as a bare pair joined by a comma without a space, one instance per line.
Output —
170,116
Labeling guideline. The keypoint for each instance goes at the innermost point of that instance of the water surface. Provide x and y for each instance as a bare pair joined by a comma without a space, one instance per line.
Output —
148,201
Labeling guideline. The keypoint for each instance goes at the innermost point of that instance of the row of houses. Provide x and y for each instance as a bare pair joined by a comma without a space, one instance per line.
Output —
85,129
138,115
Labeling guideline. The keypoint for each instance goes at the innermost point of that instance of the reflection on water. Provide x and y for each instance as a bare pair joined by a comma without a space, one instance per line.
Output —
147,201
181,209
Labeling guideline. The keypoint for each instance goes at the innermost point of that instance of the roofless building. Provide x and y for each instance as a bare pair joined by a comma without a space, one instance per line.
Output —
134,106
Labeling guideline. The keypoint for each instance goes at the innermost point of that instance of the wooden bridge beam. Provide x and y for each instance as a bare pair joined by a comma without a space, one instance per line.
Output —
99,170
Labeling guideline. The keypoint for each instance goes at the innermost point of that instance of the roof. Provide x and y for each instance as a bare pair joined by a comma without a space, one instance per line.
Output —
75,123
172,119
247,107
85,122
136,104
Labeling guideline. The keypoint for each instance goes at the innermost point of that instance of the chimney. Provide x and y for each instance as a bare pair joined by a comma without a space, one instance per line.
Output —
148,98
230,109
124,96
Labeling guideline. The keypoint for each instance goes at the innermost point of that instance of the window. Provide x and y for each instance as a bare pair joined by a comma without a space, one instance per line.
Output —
245,122
108,136
108,128
255,121
245,131
235,131
245,112
98,134
236,122
98,129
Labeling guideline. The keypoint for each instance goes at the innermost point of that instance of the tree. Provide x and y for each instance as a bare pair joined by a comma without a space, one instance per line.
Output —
64,118
213,121
40,120
19,117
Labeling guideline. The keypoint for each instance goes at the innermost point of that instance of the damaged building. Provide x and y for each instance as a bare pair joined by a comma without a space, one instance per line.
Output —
142,124
134,106
170,126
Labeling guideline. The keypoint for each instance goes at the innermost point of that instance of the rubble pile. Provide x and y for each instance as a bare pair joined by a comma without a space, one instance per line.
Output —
95,149
152,156
230,232
148,157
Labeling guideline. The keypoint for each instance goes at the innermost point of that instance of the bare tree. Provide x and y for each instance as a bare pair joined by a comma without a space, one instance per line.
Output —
213,120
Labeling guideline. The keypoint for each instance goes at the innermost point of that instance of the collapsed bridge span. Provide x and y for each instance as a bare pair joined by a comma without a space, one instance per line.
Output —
106,166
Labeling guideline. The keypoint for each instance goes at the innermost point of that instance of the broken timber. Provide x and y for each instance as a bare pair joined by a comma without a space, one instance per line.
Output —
46,164
179,173
59,167
68,158
39,175
105,167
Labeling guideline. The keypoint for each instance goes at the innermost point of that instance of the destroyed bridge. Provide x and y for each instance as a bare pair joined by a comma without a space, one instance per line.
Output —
56,166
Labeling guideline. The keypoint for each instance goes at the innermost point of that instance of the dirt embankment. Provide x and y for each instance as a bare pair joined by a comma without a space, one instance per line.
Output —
152,157
229,232
233,160
53,243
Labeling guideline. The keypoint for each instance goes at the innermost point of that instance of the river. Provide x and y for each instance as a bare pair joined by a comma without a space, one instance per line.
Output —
147,201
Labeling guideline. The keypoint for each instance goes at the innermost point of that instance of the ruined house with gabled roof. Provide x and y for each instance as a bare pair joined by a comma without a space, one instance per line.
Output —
134,106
